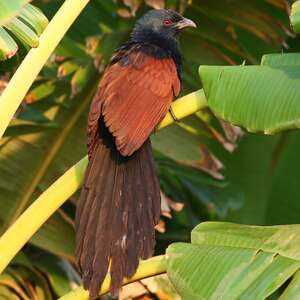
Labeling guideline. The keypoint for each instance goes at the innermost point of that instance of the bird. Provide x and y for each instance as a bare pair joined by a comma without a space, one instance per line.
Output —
119,204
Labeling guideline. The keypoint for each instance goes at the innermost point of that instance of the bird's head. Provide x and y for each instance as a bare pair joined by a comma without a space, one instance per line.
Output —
163,22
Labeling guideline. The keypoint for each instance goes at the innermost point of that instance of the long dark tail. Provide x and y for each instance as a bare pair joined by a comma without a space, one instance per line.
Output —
117,211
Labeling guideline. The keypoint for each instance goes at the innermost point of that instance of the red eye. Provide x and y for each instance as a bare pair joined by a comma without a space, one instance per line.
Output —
168,22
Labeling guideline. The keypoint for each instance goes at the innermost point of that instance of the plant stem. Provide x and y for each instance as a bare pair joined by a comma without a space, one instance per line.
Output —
35,60
147,268
37,213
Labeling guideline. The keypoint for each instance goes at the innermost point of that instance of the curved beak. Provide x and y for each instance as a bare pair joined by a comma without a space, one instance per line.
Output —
184,23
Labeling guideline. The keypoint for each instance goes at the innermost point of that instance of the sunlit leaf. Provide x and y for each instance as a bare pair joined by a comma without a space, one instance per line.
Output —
8,46
260,98
8,9
240,261
24,21
295,16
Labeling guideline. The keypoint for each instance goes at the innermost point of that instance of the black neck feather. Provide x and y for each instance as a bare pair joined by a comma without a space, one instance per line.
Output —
156,45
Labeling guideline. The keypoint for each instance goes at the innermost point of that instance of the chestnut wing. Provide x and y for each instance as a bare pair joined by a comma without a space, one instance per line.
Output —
133,97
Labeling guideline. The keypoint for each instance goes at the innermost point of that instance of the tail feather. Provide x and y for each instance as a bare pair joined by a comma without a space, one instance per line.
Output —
117,211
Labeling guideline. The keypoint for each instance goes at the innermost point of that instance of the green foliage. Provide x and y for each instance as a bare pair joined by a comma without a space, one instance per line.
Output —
9,9
269,187
23,21
259,98
7,45
231,261
37,276
295,16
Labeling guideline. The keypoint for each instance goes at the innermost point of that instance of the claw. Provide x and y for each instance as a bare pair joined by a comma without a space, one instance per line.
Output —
173,114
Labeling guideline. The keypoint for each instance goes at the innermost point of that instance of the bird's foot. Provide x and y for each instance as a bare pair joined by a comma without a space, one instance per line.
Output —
173,114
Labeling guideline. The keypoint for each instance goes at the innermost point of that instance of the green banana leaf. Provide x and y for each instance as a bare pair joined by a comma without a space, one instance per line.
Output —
231,261
295,16
9,9
7,45
24,21
260,98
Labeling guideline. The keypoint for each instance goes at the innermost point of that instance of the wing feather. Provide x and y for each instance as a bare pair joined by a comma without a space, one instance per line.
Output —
133,97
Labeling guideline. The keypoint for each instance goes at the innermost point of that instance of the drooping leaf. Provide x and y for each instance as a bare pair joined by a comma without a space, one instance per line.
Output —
57,237
33,282
7,294
39,275
60,273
